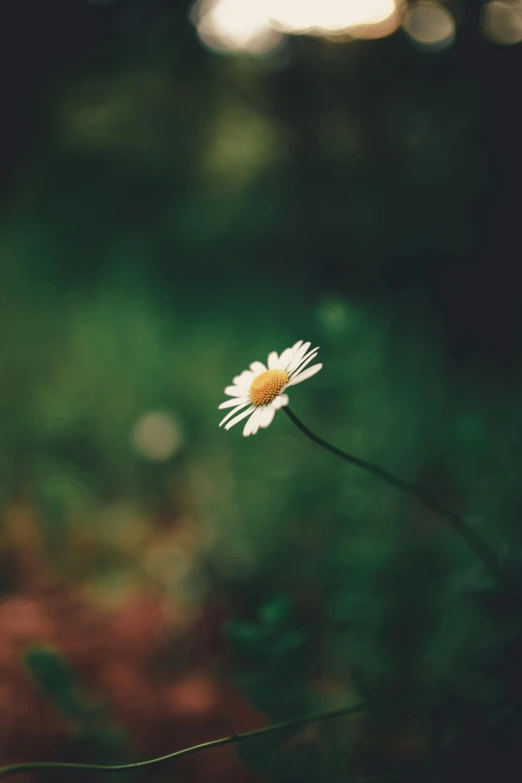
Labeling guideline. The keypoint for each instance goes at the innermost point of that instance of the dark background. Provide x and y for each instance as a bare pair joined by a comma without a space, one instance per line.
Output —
476,289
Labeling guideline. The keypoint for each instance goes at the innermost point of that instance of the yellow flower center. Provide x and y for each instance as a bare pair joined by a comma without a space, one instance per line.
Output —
267,386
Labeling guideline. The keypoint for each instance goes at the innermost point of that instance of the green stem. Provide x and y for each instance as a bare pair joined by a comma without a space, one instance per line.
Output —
352,709
474,542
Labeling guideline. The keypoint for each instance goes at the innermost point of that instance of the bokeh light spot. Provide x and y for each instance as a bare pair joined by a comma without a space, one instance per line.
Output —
196,694
235,26
157,436
257,26
429,25
329,16
502,21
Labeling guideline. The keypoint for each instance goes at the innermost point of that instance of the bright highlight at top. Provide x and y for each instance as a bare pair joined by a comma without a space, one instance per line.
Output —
257,26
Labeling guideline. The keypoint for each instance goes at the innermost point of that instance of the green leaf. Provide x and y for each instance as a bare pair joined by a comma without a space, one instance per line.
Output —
289,642
248,640
55,678
277,611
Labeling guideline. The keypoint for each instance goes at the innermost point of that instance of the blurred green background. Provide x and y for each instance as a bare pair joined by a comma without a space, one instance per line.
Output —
185,188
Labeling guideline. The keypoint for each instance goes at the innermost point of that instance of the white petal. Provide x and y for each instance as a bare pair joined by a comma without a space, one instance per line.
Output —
267,417
308,358
232,403
288,354
298,357
280,401
258,367
246,376
233,412
239,417
285,357
235,391
256,420
247,429
273,361
245,381
251,423
303,376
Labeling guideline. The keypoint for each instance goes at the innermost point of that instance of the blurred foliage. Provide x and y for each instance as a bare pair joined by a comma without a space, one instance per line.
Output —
275,649
273,652
103,742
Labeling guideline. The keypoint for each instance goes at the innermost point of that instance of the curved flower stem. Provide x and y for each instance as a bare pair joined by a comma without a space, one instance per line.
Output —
338,712
474,542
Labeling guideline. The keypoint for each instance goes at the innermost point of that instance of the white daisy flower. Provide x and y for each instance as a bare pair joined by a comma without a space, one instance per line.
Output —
259,390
